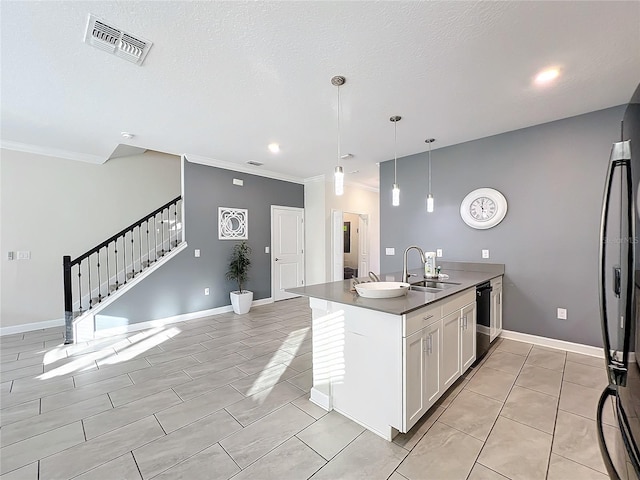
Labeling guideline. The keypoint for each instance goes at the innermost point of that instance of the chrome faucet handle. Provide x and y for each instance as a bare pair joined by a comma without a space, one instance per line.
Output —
374,277
412,274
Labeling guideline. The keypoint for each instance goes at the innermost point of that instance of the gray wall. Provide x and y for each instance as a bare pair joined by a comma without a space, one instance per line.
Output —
178,287
553,177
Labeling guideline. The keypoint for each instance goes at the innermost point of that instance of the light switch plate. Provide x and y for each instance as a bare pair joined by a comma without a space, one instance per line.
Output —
438,252
24,255
266,249
206,291
390,251
562,313
485,253
196,252
238,182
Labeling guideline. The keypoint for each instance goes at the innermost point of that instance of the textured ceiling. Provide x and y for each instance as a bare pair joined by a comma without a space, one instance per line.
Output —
224,79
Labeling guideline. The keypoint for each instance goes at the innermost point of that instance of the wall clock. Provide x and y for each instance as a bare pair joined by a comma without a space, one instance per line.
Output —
483,208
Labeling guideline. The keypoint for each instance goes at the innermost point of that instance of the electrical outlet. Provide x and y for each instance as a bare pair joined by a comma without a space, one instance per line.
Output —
562,313
390,251
438,252
485,253
238,182
206,291
196,252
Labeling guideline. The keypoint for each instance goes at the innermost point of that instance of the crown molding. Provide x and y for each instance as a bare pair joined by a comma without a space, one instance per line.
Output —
241,168
52,152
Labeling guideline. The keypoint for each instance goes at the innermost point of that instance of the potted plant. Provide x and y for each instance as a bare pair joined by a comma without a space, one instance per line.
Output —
238,271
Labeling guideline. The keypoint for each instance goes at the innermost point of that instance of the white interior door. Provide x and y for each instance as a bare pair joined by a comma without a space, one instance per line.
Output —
337,245
287,250
363,246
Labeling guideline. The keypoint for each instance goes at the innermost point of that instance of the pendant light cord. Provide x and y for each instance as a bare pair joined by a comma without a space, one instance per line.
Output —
429,167
395,152
338,124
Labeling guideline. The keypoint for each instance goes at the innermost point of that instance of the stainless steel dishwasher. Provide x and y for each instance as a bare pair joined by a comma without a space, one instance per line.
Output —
483,319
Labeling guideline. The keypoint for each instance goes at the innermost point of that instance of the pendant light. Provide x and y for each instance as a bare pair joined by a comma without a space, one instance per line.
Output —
338,172
429,196
395,191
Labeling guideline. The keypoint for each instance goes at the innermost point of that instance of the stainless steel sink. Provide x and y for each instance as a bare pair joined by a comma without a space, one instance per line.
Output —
418,288
434,284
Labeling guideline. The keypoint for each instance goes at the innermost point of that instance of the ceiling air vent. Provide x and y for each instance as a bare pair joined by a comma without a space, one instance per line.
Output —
116,41
255,164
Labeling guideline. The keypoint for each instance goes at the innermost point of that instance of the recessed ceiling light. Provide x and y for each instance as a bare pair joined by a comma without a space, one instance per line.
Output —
274,147
127,135
547,76
355,171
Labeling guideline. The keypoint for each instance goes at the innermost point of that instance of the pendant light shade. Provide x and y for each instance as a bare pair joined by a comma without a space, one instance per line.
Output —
338,172
338,180
395,191
430,201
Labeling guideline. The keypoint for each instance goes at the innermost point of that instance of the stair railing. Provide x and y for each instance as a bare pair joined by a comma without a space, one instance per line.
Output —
98,273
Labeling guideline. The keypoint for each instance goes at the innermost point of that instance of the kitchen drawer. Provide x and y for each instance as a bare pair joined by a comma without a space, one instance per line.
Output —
419,319
457,301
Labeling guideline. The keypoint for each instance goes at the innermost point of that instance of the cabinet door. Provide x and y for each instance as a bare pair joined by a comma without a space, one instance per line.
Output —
415,347
450,360
433,353
468,336
496,309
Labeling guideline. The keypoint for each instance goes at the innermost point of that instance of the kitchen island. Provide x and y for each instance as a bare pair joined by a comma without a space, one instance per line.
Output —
384,362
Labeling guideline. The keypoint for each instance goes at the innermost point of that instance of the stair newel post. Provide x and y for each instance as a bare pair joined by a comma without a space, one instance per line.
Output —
68,300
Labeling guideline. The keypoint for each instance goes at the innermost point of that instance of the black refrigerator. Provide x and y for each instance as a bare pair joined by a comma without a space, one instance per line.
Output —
619,289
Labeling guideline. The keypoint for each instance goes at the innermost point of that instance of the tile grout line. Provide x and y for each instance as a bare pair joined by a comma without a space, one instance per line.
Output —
499,412
555,421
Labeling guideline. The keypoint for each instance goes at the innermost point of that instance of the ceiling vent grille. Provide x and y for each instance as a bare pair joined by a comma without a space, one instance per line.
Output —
114,40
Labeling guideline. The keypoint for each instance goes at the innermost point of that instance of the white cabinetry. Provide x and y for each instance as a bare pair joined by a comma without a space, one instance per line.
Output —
468,336
451,348
438,348
421,379
496,309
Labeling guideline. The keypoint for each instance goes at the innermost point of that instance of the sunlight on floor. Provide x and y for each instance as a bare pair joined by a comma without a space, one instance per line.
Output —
290,345
112,352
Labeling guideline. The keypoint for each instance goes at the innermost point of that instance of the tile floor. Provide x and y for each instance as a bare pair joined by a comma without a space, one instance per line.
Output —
226,397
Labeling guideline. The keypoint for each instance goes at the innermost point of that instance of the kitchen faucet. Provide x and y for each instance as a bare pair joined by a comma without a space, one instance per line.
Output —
405,273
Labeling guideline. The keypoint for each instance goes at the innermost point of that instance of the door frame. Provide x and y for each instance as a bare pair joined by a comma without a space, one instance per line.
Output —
271,239
337,242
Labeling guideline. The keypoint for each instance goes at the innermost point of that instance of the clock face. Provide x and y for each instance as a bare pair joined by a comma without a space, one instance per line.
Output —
483,208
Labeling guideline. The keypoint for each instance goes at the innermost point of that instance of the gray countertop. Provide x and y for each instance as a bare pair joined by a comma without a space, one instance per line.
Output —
463,274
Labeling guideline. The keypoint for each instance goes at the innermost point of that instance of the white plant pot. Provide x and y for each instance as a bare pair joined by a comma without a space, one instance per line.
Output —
241,302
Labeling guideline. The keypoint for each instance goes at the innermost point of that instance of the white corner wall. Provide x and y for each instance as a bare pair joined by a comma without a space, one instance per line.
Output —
54,207
319,200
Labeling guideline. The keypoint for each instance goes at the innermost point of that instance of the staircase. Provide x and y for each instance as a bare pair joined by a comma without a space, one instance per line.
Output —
95,278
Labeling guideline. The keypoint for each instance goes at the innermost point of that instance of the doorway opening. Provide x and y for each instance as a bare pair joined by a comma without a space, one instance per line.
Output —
349,245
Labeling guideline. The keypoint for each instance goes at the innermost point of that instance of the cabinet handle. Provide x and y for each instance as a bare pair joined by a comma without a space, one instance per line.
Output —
466,322
430,344
427,318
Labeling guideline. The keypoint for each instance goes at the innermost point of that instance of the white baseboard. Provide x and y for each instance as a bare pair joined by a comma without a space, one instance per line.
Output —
30,327
320,399
59,322
183,317
553,343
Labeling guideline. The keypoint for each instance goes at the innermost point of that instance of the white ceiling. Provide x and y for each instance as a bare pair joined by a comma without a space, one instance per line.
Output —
224,79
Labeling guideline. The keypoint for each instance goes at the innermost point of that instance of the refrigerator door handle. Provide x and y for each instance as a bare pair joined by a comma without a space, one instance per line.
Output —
606,457
617,281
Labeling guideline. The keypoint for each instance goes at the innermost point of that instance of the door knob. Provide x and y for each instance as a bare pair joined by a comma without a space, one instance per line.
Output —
277,259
